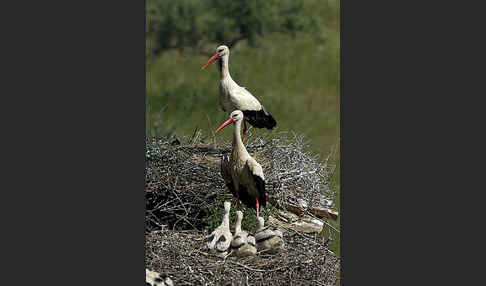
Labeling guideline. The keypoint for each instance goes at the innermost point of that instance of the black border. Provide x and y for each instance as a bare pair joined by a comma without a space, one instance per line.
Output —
74,164
404,145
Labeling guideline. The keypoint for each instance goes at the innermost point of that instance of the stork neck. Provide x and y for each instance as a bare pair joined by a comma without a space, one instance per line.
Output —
226,220
224,67
238,226
239,147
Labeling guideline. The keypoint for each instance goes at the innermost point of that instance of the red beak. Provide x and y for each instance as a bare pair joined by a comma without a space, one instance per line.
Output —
227,122
216,56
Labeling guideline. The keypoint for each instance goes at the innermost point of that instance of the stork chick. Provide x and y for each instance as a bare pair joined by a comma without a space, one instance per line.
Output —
243,244
247,180
153,278
234,97
219,240
268,239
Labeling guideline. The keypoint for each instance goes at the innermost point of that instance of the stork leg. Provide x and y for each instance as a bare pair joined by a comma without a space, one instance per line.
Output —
237,189
257,207
238,200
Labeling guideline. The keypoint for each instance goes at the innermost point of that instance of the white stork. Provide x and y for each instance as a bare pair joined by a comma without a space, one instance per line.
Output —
242,174
234,97
219,240
268,239
153,278
243,243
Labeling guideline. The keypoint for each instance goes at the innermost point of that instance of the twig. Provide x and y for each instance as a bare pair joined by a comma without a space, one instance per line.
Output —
259,270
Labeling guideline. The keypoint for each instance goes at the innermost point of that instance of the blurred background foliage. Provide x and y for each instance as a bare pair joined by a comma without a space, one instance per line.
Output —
194,24
285,52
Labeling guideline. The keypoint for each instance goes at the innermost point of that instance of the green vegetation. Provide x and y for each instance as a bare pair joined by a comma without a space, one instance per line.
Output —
293,70
193,24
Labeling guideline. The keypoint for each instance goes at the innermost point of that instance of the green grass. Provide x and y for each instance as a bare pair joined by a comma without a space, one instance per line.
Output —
297,79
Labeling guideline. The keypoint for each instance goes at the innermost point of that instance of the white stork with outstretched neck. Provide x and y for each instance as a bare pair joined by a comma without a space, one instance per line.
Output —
219,241
234,97
243,243
242,174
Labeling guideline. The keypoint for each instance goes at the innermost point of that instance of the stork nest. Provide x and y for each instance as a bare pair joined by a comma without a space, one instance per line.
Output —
184,198
181,255
183,183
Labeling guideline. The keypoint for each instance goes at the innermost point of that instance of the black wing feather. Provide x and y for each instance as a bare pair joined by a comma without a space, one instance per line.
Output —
226,174
245,198
260,118
260,186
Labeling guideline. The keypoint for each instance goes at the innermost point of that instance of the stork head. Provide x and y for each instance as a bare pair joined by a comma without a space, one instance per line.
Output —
227,206
235,116
221,51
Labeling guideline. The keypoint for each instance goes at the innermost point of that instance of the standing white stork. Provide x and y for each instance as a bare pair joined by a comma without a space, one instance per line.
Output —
242,174
234,97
